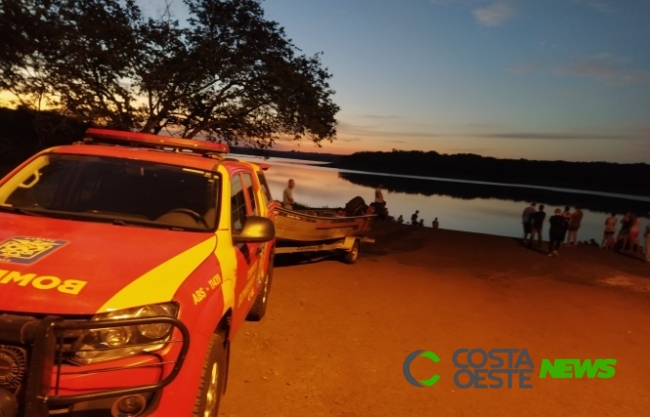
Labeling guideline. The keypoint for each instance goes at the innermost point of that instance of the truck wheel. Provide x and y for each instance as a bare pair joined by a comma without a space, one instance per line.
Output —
270,271
351,256
213,378
258,310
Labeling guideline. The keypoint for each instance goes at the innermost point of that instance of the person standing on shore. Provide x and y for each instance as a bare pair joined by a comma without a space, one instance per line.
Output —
647,241
287,196
379,195
566,215
525,220
608,236
380,203
414,218
634,234
574,225
435,223
536,224
555,233
623,234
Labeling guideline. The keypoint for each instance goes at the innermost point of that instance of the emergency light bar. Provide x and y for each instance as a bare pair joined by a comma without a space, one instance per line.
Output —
118,137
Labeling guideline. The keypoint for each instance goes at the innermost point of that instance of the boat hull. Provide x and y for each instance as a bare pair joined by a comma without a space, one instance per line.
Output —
317,225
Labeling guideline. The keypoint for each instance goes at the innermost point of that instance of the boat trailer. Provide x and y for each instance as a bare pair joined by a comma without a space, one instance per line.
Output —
349,245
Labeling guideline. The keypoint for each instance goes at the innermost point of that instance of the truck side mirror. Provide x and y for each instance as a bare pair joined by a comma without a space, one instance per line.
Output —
256,230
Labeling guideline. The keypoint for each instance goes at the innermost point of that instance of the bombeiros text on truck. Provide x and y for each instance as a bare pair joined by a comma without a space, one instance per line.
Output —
128,262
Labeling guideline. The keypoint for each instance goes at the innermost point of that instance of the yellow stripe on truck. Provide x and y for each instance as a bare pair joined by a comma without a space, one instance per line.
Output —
228,261
226,254
161,283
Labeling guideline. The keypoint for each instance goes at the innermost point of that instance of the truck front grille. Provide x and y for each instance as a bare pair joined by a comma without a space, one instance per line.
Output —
35,350
13,366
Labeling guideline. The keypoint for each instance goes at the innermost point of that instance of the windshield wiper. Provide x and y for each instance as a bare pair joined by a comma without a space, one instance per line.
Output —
153,226
21,210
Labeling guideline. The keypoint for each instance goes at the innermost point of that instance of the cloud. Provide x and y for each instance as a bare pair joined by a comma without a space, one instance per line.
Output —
642,77
553,136
600,5
481,125
366,132
601,67
356,133
525,68
605,67
495,14
379,116
446,2
547,44
461,2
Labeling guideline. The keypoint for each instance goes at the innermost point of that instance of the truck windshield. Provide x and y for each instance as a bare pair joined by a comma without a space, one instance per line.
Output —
116,190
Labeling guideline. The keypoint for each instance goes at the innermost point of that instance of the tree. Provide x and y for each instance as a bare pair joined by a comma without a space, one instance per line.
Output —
227,73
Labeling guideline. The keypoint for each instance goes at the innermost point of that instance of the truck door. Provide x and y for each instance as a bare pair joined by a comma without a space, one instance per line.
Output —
244,203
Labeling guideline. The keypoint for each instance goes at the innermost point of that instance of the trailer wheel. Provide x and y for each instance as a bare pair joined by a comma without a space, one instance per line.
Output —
213,378
351,256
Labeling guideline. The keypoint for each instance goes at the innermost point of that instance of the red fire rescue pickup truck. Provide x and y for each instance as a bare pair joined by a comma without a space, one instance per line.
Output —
127,263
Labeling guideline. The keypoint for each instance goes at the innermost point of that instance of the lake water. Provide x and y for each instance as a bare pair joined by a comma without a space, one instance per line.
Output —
471,206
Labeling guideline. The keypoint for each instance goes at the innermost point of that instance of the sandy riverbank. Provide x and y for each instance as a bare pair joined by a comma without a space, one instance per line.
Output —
335,336
487,256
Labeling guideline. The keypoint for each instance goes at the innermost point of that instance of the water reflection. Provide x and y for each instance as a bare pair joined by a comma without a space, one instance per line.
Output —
458,206
466,190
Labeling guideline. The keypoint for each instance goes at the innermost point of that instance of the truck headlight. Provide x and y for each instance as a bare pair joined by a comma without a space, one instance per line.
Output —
99,345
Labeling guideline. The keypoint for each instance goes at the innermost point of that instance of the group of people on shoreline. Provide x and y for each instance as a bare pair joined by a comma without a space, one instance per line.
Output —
564,227
563,230
415,220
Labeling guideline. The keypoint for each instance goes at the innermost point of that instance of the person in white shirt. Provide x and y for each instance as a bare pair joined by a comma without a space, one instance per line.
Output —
525,220
608,236
379,195
287,196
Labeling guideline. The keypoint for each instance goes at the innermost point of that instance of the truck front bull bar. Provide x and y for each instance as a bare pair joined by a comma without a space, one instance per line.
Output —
43,338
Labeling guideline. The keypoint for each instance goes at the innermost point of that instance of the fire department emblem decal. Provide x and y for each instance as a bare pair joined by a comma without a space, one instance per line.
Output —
26,250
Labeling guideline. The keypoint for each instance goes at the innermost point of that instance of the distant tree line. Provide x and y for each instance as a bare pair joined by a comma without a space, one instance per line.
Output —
293,154
468,191
596,176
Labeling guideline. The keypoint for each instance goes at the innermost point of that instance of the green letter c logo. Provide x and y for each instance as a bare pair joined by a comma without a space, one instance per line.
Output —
407,368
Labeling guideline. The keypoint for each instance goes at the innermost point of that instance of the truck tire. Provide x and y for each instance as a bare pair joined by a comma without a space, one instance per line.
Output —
270,270
258,310
213,377
351,256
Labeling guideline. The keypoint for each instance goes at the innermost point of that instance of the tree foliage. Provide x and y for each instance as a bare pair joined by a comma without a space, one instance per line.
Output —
226,73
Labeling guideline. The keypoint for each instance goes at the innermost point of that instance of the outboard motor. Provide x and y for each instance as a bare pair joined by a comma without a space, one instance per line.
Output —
356,207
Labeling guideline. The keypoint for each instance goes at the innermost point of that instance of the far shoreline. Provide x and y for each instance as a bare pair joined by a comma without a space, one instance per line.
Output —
630,181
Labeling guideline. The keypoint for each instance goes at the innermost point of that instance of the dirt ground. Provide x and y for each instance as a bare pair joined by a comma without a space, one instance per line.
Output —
336,336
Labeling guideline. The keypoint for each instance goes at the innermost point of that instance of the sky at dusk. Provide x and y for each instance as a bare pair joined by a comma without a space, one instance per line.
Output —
534,79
